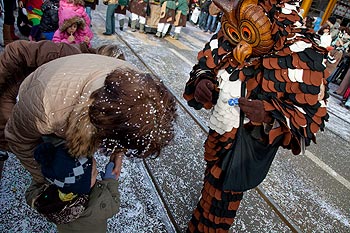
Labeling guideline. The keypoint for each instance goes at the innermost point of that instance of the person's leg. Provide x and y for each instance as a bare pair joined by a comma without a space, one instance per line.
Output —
134,18
9,21
177,32
114,6
207,25
142,24
203,20
213,23
165,29
88,12
160,29
109,14
218,27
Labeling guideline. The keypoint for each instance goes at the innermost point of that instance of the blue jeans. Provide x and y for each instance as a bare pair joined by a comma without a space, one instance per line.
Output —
110,18
211,22
202,19
88,11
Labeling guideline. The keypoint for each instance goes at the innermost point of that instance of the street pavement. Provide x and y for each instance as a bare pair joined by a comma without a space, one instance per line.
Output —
312,189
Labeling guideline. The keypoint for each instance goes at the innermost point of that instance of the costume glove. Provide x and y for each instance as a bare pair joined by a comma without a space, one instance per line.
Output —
254,110
203,92
108,172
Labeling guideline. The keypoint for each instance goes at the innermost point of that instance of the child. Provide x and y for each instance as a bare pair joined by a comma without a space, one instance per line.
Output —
167,17
71,29
34,14
138,13
49,19
75,201
180,17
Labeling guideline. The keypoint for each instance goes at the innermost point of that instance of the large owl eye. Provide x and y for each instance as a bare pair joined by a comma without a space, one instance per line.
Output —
249,33
246,33
232,33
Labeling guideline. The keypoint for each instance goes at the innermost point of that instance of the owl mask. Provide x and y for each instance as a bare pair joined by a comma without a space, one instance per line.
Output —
247,27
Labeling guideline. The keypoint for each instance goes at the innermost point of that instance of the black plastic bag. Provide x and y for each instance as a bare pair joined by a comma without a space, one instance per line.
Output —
247,163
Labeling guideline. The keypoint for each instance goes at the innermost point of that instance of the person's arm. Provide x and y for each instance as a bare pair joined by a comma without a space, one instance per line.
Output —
201,89
117,158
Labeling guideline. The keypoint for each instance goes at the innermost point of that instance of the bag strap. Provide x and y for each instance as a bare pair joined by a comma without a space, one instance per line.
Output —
241,113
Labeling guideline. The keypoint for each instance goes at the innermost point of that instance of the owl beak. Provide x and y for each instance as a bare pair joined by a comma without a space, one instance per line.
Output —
242,51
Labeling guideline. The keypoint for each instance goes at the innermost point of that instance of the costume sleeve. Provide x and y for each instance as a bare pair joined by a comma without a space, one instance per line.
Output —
209,61
293,88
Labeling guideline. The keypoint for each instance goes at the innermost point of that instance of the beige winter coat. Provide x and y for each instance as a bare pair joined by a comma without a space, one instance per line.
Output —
54,99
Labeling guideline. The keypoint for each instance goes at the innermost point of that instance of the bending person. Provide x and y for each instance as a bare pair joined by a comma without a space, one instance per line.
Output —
91,101
21,58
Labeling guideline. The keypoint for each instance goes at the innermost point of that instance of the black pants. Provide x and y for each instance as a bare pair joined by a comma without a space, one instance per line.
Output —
9,7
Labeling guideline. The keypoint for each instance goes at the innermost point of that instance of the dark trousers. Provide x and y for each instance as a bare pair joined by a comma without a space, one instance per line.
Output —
9,7
202,20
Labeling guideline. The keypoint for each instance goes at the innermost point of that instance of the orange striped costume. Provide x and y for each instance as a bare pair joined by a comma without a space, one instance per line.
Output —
290,81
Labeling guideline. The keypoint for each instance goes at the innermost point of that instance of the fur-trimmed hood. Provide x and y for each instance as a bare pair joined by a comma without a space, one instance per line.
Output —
68,17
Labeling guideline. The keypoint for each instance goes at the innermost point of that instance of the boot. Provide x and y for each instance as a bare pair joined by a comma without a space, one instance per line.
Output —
133,26
121,24
13,35
142,28
6,32
176,36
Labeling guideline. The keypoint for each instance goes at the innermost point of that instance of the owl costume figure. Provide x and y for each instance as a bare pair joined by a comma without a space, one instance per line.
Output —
263,45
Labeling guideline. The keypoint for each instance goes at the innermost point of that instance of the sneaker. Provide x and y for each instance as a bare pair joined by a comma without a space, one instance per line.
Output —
107,34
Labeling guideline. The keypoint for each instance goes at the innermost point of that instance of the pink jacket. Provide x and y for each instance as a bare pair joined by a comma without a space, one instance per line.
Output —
77,6
67,17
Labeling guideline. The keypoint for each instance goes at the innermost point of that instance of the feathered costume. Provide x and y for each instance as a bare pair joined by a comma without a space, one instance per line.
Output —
262,44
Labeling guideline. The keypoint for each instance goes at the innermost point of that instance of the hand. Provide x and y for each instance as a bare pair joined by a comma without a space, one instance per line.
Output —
108,174
20,4
86,39
254,110
117,158
71,38
203,92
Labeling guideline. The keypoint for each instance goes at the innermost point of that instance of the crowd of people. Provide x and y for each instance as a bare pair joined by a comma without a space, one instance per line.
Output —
70,20
107,104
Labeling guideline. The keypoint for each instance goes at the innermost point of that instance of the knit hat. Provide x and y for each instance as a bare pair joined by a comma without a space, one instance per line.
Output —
69,174
332,19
